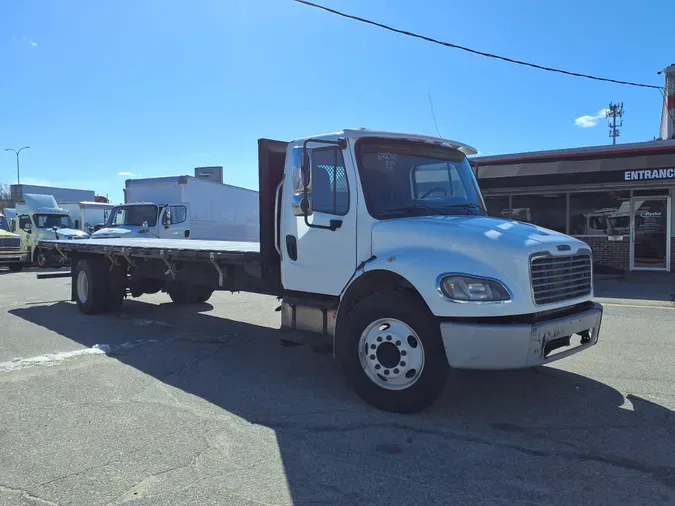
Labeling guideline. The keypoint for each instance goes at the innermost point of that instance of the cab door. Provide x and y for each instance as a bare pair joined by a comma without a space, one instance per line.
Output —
318,250
175,222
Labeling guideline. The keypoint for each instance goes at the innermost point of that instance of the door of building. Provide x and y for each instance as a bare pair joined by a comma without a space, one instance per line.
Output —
650,234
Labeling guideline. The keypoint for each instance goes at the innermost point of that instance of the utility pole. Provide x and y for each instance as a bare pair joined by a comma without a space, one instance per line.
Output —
614,111
17,152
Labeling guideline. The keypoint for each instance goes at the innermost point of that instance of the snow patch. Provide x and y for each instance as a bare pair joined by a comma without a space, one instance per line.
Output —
49,359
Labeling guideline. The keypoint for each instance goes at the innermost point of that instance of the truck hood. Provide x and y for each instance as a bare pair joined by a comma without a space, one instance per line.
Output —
423,248
470,234
494,243
64,233
127,231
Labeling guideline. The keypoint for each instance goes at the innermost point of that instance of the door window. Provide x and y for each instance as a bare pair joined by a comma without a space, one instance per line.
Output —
175,215
23,221
330,188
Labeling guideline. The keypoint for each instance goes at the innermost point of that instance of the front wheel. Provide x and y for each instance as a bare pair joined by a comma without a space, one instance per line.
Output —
392,353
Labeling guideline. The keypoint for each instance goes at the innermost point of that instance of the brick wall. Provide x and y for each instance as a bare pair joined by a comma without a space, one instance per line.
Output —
616,254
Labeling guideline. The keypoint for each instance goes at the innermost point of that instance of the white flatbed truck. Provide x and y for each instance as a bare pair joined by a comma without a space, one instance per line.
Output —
377,243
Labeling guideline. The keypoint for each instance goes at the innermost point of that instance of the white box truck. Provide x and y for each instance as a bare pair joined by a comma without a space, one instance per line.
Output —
379,244
184,207
88,216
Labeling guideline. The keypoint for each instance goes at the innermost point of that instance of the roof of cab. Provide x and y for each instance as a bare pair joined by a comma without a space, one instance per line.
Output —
356,133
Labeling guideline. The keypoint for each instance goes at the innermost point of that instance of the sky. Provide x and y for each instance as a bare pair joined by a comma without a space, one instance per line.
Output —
104,91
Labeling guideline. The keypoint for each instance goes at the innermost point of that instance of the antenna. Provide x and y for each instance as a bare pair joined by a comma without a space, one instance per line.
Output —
433,115
614,111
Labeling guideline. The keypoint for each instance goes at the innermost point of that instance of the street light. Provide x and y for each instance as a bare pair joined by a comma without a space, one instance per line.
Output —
18,179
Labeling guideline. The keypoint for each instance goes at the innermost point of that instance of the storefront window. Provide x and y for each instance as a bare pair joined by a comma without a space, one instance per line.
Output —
600,213
498,207
547,210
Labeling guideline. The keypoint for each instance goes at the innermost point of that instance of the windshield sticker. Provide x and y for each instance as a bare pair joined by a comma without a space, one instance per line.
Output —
389,160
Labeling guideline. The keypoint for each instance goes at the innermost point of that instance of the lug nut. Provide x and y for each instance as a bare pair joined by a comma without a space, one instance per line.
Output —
379,339
404,353
372,346
402,364
395,371
386,372
398,343
372,357
377,366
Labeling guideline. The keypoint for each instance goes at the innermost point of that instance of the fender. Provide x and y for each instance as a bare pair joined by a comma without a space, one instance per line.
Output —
421,267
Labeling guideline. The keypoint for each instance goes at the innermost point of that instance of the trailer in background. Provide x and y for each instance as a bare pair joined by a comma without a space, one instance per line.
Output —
184,207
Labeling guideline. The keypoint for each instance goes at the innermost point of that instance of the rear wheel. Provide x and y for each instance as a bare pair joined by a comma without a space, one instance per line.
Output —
392,353
183,293
91,286
15,267
204,294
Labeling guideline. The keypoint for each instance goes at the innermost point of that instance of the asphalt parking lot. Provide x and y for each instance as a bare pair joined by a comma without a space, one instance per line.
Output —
202,405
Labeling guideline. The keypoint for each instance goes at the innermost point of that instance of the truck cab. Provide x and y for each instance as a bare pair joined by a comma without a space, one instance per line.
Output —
10,247
394,228
41,218
146,220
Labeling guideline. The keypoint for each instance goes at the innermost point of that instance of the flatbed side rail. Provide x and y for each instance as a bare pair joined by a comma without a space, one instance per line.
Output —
159,252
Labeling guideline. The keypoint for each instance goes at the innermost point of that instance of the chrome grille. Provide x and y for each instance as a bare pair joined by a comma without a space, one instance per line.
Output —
555,279
10,243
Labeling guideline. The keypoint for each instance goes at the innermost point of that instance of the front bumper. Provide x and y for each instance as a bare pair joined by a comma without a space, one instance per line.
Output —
517,346
10,258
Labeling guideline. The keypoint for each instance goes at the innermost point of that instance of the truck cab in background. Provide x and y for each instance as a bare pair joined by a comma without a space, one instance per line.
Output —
41,218
146,220
10,247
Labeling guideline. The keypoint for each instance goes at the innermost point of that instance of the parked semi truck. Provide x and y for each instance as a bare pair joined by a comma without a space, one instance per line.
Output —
184,207
40,217
377,243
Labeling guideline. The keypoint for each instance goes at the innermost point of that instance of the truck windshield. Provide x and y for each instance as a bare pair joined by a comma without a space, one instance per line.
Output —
406,178
53,220
4,225
132,215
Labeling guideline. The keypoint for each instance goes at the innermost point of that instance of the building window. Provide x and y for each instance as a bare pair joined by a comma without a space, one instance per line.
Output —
547,210
600,213
498,207
330,189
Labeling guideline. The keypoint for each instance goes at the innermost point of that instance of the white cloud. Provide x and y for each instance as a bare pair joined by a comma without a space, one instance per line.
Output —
32,43
126,174
589,121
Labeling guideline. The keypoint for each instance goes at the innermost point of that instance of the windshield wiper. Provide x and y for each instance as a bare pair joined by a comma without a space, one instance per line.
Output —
411,210
469,205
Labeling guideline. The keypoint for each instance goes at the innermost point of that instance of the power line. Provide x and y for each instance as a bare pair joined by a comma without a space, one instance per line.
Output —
433,114
474,51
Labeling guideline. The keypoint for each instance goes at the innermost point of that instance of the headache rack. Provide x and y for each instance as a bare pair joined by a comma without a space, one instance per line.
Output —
560,278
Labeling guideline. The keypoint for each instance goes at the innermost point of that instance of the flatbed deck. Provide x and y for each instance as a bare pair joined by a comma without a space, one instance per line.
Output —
159,248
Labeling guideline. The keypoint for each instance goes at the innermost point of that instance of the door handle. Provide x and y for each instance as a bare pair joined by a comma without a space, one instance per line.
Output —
292,247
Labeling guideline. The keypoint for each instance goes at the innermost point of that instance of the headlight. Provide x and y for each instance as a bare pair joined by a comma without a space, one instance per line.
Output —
470,289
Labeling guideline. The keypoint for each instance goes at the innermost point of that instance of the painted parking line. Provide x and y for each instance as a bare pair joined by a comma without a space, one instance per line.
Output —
637,306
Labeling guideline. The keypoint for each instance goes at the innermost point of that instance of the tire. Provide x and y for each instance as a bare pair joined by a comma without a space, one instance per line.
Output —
204,294
183,293
117,289
91,286
409,385
15,267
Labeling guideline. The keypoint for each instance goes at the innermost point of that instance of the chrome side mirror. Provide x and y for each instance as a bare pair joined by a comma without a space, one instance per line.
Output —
302,206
